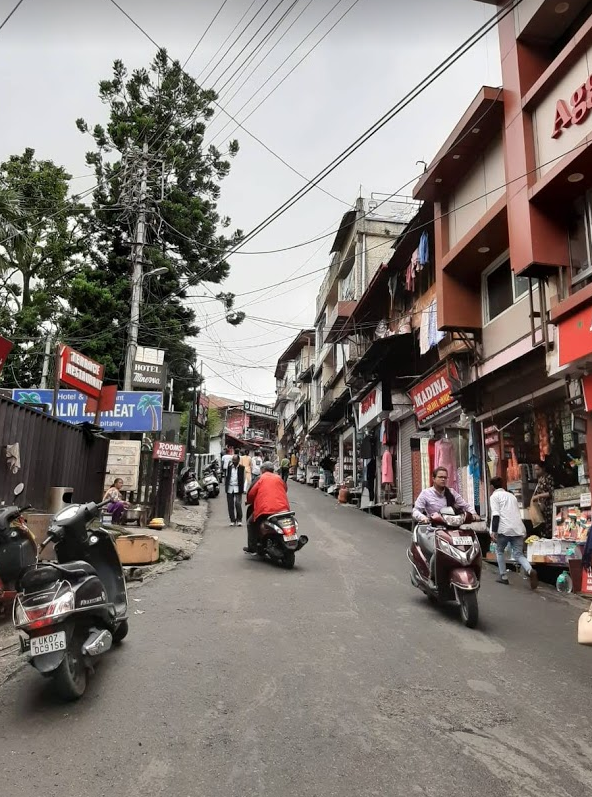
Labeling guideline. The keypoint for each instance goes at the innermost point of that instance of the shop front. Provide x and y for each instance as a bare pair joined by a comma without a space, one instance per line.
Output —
376,458
446,437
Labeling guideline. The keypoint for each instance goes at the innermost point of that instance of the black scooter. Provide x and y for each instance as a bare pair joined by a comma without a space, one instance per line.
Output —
279,538
72,611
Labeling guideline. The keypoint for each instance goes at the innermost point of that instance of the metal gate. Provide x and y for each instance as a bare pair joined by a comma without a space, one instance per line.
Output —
407,429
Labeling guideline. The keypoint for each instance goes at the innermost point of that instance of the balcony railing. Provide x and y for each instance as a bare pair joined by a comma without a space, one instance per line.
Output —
341,313
328,281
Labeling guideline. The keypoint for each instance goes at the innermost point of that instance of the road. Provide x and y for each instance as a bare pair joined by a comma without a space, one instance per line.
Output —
336,678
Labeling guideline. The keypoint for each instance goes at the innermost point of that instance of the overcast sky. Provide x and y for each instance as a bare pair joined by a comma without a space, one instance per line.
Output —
54,52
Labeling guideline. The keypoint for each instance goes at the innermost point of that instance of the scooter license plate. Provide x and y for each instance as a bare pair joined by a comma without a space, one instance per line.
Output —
462,540
49,643
290,537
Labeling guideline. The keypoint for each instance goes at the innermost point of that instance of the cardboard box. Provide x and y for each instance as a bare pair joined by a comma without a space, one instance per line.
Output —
137,549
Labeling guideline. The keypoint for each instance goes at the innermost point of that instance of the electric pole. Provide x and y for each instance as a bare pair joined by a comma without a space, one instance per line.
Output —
46,359
137,272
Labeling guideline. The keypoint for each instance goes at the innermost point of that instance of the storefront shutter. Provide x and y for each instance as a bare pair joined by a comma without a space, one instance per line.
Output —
406,429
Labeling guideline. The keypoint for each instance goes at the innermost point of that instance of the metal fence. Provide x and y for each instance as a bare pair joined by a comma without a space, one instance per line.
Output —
52,454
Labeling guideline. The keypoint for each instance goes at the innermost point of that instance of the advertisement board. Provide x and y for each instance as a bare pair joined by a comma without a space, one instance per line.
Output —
80,372
433,396
134,411
172,452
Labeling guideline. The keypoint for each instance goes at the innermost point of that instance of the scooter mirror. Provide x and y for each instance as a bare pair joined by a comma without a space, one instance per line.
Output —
20,488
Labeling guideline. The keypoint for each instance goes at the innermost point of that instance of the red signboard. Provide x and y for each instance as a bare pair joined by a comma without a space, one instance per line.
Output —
5,347
80,372
173,452
586,587
575,336
434,395
106,401
235,423
576,112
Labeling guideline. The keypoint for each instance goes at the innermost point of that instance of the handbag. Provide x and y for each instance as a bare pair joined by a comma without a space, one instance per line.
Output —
536,515
585,627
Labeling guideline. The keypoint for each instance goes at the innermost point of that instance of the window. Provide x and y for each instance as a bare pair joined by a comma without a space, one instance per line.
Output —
501,289
580,243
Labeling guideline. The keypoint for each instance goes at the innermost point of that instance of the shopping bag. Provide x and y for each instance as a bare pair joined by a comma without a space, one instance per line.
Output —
536,515
585,627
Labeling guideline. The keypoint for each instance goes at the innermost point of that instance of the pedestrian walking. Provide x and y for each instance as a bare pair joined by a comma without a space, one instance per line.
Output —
245,461
235,488
256,463
327,465
285,468
543,496
226,460
507,528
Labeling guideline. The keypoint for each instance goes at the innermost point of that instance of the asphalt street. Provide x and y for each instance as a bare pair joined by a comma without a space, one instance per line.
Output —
335,678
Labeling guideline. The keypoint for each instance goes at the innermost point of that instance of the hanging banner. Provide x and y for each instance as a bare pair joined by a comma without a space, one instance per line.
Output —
433,396
5,349
80,372
201,415
134,411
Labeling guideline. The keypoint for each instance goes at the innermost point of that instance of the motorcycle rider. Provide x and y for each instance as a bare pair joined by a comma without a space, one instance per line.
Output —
434,499
268,496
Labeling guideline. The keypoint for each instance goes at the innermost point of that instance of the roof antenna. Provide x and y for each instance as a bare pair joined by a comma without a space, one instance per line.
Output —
425,166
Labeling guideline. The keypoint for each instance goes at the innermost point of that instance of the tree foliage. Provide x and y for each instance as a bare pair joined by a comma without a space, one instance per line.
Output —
156,123
42,245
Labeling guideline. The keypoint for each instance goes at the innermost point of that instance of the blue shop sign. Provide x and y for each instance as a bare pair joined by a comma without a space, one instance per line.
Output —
134,411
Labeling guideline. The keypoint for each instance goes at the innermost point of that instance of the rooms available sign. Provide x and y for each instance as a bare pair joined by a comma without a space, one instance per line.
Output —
433,396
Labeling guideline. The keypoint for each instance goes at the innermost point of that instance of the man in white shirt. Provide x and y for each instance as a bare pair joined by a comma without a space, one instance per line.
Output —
235,487
256,463
226,460
507,528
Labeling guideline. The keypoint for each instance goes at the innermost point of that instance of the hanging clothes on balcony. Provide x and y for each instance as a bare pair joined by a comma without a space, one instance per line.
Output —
424,332
434,334
424,250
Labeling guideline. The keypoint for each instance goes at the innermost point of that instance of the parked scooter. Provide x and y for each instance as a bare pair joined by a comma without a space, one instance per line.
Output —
18,548
210,485
446,562
279,539
72,611
191,489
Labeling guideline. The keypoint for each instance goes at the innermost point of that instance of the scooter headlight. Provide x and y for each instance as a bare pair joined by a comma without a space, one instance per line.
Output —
450,550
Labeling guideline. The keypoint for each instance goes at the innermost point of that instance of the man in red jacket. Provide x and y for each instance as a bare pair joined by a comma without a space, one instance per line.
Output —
268,496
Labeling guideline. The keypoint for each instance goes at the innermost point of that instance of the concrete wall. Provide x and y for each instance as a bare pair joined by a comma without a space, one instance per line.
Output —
509,327
524,12
478,191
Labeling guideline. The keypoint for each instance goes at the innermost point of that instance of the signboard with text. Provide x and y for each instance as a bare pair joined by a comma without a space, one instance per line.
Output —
370,406
5,349
575,336
80,372
134,411
172,452
260,409
433,396
149,376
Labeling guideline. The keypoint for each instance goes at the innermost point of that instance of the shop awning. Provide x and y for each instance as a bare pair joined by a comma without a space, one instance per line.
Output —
400,349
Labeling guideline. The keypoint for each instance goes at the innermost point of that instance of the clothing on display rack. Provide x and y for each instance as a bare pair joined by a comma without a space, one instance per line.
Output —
446,458
424,450
388,476
371,478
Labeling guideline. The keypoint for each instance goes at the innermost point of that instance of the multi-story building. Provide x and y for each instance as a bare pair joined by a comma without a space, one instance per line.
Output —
361,244
293,376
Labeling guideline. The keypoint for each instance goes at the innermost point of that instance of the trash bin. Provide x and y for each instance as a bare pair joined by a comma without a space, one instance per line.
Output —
59,497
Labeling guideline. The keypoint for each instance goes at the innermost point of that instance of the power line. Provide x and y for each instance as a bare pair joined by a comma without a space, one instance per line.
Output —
203,69
273,74
380,123
204,34
14,10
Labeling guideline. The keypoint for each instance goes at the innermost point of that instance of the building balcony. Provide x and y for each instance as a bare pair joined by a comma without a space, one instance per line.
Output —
329,282
287,392
340,314
305,369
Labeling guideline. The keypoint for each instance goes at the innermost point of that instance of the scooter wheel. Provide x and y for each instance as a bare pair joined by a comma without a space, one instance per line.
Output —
288,560
121,632
469,609
71,676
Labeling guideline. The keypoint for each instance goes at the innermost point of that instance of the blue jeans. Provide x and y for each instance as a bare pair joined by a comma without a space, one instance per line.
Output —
517,545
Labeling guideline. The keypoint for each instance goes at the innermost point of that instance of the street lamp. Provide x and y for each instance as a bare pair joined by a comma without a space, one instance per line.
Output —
155,272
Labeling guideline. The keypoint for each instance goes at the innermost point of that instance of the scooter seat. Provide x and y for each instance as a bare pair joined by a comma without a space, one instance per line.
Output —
77,568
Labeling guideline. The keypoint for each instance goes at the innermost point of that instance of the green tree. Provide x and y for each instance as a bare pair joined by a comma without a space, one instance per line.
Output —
157,119
42,245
